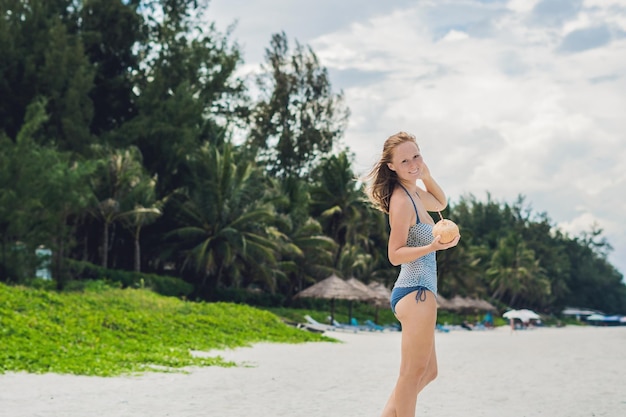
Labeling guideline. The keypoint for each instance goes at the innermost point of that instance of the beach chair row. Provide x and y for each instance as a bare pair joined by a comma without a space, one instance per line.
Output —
353,326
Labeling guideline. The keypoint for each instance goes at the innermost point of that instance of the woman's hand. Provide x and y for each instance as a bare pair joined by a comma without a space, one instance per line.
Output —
424,173
437,245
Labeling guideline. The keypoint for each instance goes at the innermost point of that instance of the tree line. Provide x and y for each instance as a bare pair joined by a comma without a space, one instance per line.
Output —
129,141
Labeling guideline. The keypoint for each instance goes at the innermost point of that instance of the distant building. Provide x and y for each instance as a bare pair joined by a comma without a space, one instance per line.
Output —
579,313
44,255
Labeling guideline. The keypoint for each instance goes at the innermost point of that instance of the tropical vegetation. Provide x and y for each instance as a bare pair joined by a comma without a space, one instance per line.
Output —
130,143
106,331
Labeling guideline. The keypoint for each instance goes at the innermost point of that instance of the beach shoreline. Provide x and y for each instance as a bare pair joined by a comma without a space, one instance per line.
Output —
555,372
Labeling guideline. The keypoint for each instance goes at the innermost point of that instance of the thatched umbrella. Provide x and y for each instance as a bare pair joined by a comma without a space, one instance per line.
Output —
485,305
383,295
369,295
458,303
443,303
466,303
332,288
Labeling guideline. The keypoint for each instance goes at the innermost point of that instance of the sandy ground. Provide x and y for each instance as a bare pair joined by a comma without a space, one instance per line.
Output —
550,372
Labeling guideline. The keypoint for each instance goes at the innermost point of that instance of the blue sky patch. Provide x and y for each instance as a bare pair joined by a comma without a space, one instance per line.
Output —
585,39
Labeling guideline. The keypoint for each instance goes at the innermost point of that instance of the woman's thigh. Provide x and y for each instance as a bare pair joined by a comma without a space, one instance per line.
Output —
418,319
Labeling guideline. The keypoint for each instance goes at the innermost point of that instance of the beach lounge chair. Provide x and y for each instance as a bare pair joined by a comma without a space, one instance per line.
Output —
341,326
355,324
442,329
315,325
374,326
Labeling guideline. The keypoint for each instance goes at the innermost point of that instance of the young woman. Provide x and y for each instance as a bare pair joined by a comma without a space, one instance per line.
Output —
393,189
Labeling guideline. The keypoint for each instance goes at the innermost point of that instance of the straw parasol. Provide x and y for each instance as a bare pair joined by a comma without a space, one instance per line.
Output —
333,288
383,295
484,305
443,303
466,303
369,294
458,303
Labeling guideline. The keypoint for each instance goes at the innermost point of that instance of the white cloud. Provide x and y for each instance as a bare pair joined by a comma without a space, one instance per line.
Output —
603,3
455,35
493,103
522,6
584,223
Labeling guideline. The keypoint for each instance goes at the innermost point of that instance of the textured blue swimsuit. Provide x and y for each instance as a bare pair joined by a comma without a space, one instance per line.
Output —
421,274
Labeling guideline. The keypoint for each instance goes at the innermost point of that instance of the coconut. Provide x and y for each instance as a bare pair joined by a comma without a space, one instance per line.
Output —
447,229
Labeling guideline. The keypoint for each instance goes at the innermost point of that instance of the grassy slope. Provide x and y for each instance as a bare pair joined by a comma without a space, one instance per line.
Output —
115,332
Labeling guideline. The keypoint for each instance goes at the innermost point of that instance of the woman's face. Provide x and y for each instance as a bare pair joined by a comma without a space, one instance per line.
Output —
407,161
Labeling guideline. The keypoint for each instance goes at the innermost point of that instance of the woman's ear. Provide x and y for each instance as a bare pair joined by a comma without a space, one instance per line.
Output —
390,166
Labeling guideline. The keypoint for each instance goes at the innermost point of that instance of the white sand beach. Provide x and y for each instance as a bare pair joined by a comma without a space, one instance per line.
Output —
547,372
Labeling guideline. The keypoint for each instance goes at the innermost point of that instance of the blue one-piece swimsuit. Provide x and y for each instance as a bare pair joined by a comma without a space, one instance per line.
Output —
421,274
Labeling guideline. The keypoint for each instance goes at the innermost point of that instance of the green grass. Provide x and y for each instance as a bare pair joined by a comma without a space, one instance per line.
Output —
113,331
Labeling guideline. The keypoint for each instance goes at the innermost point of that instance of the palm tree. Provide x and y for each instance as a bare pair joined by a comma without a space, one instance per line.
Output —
121,171
354,261
306,254
338,202
146,210
459,271
224,224
515,272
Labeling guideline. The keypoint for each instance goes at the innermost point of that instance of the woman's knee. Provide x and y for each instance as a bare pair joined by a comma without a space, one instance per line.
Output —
431,374
416,371
428,377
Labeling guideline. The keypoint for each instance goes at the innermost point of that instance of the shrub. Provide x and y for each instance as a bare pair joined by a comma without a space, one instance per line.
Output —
161,284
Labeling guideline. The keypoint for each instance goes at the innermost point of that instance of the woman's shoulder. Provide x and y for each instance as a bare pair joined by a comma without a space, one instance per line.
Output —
400,202
397,195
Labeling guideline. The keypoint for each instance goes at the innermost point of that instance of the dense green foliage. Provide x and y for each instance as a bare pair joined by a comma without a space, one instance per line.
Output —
161,284
113,331
128,141
516,257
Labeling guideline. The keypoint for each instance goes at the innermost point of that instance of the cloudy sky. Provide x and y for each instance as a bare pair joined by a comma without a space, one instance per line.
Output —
510,97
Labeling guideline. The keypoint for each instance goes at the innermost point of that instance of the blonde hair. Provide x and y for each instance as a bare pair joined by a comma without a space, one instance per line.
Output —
381,180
